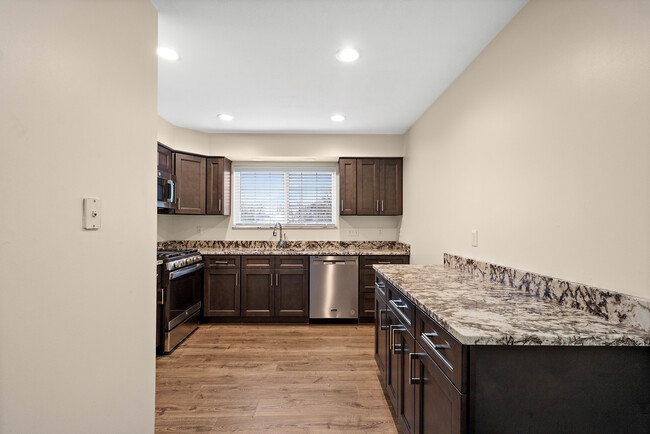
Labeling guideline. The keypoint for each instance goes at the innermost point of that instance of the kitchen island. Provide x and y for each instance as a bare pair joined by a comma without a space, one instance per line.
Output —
461,353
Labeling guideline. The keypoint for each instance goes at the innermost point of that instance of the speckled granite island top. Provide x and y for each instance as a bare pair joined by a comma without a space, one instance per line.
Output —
291,247
480,312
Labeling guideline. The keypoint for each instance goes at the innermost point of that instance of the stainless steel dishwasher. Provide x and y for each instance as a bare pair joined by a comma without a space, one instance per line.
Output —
333,287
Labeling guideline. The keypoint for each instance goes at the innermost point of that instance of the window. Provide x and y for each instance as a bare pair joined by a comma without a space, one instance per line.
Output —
293,196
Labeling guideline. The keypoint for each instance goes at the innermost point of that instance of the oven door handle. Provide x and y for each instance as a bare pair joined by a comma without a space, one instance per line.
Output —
186,270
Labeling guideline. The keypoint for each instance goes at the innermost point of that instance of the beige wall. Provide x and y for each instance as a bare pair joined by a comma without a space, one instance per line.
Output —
77,312
274,148
543,145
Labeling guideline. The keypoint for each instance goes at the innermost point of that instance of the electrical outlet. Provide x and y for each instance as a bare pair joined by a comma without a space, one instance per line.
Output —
380,231
475,238
353,232
199,229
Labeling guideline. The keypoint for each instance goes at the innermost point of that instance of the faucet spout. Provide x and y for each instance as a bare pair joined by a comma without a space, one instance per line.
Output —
275,233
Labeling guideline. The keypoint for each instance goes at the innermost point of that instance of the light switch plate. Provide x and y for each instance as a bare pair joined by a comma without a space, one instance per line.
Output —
92,213
475,238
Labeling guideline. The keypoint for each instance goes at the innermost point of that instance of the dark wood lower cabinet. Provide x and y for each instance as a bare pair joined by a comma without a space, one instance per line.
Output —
221,293
405,346
257,293
439,407
291,298
381,335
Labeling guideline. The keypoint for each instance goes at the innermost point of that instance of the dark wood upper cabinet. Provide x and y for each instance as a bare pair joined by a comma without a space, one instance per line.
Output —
165,160
390,187
190,183
218,186
370,186
348,186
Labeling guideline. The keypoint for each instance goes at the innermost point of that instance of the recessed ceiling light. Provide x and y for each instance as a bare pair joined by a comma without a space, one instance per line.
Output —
338,118
226,117
347,55
167,53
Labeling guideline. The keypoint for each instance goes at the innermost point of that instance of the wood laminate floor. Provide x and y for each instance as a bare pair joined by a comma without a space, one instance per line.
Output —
272,378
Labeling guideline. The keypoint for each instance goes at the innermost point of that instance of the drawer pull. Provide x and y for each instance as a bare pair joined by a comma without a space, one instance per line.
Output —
436,347
392,345
412,357
383,262
399,308
219,262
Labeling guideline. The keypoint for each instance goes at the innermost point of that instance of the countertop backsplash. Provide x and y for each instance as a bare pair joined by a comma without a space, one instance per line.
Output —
609,305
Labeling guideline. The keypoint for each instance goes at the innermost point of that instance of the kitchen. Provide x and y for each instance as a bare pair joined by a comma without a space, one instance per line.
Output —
540,143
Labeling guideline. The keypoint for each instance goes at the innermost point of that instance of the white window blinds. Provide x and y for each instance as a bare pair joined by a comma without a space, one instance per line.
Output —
295,196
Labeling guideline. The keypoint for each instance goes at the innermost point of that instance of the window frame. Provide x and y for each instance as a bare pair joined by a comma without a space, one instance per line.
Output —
283,167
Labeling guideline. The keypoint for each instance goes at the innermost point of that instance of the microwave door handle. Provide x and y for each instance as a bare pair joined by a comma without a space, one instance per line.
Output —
172,188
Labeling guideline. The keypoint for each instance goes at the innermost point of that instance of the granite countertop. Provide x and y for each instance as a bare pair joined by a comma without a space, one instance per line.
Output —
291,247
480,312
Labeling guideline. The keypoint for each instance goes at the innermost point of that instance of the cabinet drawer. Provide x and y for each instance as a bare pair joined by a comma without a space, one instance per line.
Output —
366,280
258,261
380,288
296,261
367,304
368,261
219,261
444,349
403,308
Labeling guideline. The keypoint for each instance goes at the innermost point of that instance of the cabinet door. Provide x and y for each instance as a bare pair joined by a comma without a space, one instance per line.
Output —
218,186
406,395
381,335
164,160
221,293
214,186
390,187
291,292
439,406
190,183
257,292
393,372
348,186
368,186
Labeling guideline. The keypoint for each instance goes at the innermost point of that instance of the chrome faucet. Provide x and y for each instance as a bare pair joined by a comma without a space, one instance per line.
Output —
281,240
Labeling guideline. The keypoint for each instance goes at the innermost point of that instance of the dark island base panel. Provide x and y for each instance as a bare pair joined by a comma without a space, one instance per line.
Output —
517,389
610,305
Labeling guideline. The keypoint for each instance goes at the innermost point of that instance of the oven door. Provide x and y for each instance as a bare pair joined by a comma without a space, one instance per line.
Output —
182,294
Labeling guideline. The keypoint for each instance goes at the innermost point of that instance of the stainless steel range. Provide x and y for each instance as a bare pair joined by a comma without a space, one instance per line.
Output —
180,297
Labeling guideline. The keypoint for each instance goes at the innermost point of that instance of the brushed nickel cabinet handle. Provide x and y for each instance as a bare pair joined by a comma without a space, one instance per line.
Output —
377,205
412,357
219,204
381,325
277,279
236,278
382,205
341,204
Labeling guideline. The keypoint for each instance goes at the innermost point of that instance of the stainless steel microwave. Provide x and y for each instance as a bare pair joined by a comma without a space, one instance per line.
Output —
166,191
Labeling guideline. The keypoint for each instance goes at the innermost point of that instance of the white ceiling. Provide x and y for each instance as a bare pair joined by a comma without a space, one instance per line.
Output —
271,63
